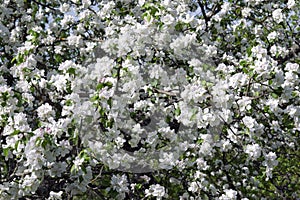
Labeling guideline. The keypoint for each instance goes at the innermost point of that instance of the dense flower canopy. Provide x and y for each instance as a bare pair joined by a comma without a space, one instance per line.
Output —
149,99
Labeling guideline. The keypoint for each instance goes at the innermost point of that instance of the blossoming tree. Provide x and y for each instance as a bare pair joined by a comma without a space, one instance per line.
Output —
149,99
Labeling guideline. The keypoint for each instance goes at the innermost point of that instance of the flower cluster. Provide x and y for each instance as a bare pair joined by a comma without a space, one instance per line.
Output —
149,99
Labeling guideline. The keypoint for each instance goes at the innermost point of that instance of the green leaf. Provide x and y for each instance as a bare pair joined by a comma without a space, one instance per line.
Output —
57,58
38,141
249,50
6,152
154,83
14,59
138,186
150,92
16,132
108,84
94,98
68,102
73,169
17,144
177,111
179,26
148,17
194,114
71,71
100,86
243,63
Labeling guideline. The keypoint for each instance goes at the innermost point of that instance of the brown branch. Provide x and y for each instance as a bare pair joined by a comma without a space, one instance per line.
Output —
203,13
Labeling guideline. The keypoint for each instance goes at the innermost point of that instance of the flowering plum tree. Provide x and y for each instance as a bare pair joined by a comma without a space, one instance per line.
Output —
149,99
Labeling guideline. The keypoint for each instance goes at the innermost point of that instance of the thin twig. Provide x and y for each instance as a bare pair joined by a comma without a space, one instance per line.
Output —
99,175
165,92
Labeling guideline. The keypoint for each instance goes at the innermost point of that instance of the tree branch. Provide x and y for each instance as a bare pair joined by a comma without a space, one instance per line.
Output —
203,13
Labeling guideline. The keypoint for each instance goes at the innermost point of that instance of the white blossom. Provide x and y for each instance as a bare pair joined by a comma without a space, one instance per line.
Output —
277,15
74,40
273,35
120,183
45,111
206,91
291,4
253,150
157,191
249,122
246,12
229,194
55,195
